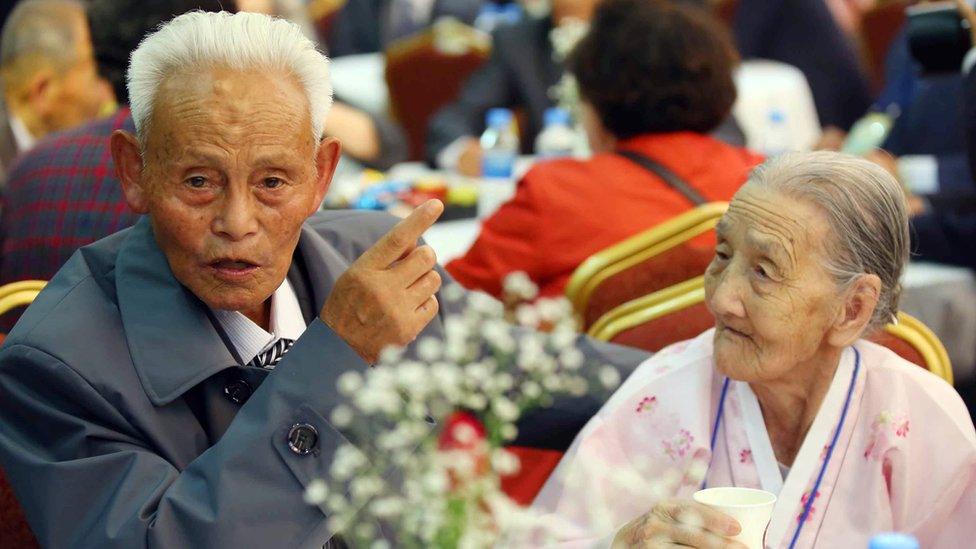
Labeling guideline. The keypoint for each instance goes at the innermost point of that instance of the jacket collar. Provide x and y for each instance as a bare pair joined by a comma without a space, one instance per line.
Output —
172,340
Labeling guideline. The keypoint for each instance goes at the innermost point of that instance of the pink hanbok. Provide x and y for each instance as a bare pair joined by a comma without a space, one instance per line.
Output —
891,449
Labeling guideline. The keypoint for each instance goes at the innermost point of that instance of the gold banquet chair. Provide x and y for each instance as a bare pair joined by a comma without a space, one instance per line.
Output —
14,529
425,71
19,294
678,313
664,255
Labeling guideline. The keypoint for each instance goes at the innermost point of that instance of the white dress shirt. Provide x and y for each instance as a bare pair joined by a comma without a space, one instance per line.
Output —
248,339
22,136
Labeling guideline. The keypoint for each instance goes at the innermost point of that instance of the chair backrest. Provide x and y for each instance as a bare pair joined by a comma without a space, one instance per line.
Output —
323,15
14,530
425,71
18,294
678,313
657,258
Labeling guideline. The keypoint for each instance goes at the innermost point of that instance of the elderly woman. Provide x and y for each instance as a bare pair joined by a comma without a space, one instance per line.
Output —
655,79
784,394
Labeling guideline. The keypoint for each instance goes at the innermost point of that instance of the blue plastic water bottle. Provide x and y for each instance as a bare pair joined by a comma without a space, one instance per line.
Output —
499,144
557,137
893,541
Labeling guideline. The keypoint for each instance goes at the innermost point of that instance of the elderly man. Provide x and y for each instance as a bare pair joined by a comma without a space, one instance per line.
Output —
48,72
170,385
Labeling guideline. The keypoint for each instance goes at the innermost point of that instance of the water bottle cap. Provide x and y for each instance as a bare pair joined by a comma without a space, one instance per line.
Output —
511,13
498,117
490,8
556,116
893,541
777,116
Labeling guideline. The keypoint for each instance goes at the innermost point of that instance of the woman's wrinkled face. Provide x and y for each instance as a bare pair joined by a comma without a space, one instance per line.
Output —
771,296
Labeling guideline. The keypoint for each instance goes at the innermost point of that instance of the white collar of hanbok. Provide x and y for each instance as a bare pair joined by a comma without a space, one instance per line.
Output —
808,461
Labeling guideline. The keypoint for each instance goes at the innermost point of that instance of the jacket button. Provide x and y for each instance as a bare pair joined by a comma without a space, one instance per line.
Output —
302,438
238,391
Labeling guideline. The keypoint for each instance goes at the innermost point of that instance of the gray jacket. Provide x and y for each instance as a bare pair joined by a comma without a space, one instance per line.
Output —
125,421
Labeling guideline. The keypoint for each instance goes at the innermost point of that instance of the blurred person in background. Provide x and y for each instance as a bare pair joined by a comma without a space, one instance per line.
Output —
655,78
369,26
803,33
518,75
942,233
48,74
369,139
64,193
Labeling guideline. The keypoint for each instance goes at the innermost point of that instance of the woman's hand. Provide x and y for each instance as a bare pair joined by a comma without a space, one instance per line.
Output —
679,523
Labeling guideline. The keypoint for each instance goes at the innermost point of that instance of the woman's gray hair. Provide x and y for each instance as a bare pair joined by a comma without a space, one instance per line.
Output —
866,212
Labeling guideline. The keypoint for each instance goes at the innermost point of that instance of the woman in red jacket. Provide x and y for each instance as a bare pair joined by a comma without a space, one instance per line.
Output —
655,78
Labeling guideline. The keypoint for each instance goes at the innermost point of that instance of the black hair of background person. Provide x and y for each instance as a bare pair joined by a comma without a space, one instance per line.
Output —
5,9
117,27
646,71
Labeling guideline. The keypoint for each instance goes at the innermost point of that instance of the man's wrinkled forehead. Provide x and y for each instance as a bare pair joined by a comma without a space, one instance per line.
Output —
252,100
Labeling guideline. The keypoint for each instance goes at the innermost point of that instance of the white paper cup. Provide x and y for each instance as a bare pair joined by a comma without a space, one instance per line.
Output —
752,508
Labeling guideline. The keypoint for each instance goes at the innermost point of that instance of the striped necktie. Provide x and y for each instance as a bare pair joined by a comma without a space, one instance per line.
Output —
268,359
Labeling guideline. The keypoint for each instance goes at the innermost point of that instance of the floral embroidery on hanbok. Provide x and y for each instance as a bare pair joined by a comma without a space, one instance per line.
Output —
647,404
803,505
745,456
884,430
677,447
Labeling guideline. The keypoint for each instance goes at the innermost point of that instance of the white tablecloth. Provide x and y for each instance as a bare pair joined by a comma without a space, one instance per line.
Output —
942,297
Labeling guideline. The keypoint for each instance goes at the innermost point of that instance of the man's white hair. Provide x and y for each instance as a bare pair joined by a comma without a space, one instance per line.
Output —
242,41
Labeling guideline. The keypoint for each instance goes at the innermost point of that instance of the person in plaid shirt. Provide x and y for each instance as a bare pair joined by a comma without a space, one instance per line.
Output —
61,196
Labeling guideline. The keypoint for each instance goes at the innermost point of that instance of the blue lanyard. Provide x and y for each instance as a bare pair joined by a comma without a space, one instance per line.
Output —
830,450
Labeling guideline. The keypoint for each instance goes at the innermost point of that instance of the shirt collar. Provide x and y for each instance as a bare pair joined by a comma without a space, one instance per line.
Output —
248,339
22,136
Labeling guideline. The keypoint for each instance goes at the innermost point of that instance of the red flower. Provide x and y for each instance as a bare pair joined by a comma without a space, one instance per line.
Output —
462,431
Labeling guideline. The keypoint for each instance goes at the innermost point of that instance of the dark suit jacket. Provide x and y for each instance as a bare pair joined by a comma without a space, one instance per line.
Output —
804,34
946,234
518,75
114,427
932,124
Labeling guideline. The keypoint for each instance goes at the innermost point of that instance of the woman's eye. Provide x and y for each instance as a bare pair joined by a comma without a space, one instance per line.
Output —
197,182
721,255
761,272
273,182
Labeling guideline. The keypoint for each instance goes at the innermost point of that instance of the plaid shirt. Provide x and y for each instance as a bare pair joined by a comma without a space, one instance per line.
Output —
61,195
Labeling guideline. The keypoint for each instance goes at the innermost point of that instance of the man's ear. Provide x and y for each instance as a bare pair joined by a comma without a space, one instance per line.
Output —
37,92
128,168
858,307
326,158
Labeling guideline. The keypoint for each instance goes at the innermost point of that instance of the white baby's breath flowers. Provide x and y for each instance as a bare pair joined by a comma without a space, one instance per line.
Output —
527,316
520,286
341,416
429,349
390,354
452,292
609,377
505,409
349,382
505,462
316,492
365,487
563,337
464,433
446,491
571,358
